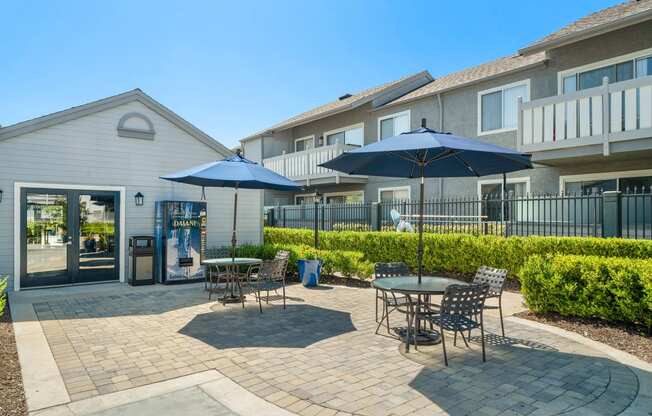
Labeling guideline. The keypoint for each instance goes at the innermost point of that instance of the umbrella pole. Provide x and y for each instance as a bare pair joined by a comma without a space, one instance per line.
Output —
235,214
420,249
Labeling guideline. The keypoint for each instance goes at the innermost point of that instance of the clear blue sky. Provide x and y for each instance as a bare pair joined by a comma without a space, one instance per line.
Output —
233,68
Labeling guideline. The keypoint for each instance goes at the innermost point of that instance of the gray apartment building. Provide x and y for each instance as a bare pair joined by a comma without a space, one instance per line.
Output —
579,100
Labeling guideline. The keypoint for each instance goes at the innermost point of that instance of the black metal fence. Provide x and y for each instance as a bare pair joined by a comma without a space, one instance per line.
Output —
609,214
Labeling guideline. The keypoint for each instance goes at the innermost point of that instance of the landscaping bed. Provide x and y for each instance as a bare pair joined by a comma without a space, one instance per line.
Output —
12,396
625,337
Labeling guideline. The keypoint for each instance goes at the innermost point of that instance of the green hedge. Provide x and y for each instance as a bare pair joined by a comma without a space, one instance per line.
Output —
458,252
615,289
3,293
346,262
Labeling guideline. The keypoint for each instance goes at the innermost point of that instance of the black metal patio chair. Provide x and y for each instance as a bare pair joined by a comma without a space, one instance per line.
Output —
269,276
461,311
390,301
496,279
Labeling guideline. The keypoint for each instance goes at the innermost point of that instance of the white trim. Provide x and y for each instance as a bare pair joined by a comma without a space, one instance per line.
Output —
525,82
602,176
520,179
302,139
345,193
396,188
343,129
598,64
407,112
17,216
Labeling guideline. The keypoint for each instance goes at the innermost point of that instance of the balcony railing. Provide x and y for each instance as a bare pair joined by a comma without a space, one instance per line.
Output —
304,165
610,113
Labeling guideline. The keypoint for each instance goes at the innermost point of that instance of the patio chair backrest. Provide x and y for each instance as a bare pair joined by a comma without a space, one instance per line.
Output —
495,278
281,264
465,300
383,270
217,253
396,217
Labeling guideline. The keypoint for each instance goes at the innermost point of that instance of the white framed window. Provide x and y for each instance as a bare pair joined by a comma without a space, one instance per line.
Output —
351,197
397,193
515,186
301,199
304,143
621,68
498,107
595,183
351,135
393,124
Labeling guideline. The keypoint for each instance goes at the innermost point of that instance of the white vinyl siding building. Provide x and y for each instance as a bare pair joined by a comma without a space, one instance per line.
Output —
84,150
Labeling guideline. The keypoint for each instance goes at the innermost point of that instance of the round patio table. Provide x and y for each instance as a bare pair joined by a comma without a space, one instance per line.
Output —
409,285
232,264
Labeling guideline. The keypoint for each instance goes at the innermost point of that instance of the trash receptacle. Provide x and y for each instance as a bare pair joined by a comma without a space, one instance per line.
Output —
309,271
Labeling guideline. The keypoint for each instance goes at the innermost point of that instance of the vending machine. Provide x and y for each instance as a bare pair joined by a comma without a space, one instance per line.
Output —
180,234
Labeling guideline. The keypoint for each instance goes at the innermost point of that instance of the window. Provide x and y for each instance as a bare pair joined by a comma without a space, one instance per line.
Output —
345,197
393,125
636,65
304,143
498,107
352,135
304,199
598,184
401,193
490,192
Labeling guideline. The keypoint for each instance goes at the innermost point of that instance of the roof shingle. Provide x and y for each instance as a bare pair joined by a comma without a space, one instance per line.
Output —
471,75
343,104
602,17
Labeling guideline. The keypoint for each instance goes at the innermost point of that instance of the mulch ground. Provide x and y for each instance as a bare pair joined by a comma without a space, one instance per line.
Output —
625,337
12,396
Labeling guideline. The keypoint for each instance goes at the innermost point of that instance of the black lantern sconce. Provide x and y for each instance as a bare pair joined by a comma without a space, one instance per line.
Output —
0,195
140,199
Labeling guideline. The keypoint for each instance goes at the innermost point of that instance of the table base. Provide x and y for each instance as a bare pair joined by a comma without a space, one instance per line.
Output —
230,299
424,336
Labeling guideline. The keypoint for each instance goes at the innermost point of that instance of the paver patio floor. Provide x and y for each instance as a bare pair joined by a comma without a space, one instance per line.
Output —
321,357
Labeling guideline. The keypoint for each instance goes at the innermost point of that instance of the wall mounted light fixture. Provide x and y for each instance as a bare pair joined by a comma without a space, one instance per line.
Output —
0,195
140,199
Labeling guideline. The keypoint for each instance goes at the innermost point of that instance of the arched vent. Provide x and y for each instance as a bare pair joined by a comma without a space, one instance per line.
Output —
136,126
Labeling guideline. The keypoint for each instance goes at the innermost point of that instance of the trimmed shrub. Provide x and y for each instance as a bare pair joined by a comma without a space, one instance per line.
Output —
348,263
615,289
3,293
460,253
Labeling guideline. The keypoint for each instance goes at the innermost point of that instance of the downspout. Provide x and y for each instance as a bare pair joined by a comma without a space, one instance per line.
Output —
441,129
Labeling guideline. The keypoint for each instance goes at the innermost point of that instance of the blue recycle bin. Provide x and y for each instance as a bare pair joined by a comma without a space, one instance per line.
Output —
309,271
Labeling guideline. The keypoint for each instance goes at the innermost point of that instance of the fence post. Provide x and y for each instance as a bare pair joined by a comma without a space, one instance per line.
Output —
271,220
284,216
316,223
612,215
375,216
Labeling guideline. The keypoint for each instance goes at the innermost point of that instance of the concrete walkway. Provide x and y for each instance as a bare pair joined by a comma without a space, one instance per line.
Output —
119,350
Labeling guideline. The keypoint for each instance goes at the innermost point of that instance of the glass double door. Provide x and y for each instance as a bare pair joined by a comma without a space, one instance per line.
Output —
68,236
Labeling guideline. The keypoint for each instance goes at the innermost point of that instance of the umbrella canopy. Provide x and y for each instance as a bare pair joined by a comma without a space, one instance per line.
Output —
233,172
427,153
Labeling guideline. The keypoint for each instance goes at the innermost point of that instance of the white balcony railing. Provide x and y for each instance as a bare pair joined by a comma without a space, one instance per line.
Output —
304,165
612,112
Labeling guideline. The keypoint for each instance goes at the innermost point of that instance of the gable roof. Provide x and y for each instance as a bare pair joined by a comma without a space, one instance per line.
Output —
105,104
602,21
346,103
483,72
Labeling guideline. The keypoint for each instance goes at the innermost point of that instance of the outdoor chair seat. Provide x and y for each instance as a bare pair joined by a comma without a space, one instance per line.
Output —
396,301
454,322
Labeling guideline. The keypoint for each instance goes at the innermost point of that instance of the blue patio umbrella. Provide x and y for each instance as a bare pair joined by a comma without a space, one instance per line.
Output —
233,172
425,153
